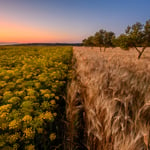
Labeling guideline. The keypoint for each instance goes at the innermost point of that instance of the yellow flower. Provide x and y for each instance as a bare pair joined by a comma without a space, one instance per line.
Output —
42,78
52,95
28,76
6,77
31,92
20,93
47,95
7,95
3,115
30,98
27,118
45,105
46,116
13,124
19,81
4,126
37,85
10,71
13,138
52,136
57,97
53,102
2,84
2,73
29,133
14,100
30,147
5,108
45,91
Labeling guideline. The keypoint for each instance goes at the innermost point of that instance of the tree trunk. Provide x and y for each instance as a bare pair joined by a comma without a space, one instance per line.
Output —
100,48
104,49
140,52
139,56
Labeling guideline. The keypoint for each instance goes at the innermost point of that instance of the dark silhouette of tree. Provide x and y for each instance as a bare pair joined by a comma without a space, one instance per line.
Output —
108,39
88,41
137,35
102,38
121,41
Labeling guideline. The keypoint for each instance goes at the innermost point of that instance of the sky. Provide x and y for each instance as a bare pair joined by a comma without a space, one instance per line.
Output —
50,21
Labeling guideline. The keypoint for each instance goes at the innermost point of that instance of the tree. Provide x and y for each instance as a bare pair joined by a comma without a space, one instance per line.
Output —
102,38
108,39
88,41
121,41
98,39
137,35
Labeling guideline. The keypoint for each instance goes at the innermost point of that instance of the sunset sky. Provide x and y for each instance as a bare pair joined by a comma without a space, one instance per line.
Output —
71,21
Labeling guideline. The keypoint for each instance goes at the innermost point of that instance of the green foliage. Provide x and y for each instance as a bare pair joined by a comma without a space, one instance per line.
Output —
122,42
88,41
102,38
32,85
137,35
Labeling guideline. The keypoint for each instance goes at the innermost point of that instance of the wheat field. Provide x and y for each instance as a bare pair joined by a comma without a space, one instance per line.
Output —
108,101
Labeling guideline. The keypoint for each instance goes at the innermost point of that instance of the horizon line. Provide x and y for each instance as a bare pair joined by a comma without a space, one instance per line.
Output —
40,43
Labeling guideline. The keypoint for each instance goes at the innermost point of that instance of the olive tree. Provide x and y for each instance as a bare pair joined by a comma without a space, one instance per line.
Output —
136,36
102,38
88,41
108,39
98,38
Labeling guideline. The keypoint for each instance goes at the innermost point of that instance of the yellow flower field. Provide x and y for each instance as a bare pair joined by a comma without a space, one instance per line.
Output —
32,85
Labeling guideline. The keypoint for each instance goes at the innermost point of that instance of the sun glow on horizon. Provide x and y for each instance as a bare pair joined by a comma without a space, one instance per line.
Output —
66,21
20,33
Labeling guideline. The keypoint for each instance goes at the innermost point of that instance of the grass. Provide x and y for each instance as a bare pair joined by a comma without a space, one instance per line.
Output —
108,100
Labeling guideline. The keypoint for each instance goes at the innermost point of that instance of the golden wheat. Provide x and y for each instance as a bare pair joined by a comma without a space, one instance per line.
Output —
112,89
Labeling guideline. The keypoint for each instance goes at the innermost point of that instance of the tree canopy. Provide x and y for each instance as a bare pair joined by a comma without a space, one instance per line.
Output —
88,41
135,36
102,38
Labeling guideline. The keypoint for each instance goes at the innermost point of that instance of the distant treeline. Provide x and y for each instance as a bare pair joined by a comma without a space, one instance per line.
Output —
136,35
102,38
47,44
